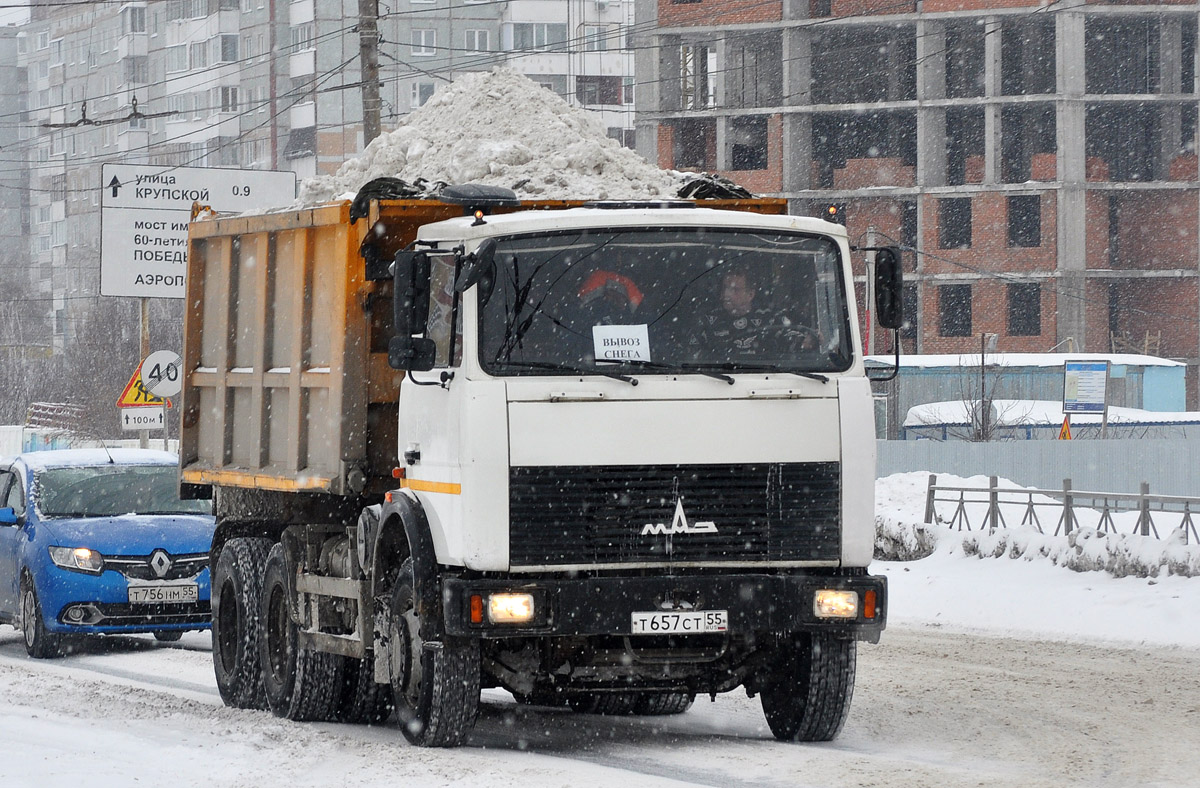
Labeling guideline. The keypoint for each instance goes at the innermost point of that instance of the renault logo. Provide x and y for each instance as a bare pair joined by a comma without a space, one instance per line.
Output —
160,562
679,525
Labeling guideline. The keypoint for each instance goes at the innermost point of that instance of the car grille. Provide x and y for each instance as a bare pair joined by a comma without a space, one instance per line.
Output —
734,513
141,567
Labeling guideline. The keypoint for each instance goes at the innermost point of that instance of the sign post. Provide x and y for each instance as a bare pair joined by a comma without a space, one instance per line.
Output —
1085,390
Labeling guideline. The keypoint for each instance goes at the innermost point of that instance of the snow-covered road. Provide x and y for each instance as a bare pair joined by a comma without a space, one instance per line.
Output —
931,709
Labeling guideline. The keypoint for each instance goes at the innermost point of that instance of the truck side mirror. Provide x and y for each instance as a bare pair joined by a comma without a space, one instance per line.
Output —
410,272
889,287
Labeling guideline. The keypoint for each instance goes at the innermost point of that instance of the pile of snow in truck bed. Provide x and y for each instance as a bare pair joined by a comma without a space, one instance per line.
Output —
500,128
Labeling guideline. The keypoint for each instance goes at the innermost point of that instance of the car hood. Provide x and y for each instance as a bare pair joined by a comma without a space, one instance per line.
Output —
135,534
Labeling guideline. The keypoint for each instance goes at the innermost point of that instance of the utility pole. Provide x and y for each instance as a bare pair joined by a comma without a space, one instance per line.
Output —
368,56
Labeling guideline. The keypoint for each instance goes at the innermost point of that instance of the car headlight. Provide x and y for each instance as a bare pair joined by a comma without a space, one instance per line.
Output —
80,559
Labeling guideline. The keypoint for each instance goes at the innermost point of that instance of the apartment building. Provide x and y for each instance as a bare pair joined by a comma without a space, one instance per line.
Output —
1039,157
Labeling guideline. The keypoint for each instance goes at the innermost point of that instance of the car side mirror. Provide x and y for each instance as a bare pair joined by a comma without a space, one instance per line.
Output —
889,287
8,516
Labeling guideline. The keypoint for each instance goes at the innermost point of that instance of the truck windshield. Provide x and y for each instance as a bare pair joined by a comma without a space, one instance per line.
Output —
655,301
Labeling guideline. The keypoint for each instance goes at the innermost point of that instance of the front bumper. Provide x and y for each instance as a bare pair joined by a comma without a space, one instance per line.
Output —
103,602
604,605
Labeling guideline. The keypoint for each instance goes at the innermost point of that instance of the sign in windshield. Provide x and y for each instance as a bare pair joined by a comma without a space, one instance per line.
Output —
687,299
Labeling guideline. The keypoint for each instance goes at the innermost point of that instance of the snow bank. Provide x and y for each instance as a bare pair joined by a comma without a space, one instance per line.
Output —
902,535
499,128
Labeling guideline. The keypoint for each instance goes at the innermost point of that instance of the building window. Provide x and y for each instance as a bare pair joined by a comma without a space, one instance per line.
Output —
228,97
954,223
1025,221
911,307
225,49
626,90
177,59
43,40
137,69
954,310
133,19
595,38
538,36
748,143
423,41
477,41
590,91
302,37
198,55
1025,310
421,92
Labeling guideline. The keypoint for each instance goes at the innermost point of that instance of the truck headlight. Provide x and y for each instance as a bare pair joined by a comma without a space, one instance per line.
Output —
510,608
80,559
835,603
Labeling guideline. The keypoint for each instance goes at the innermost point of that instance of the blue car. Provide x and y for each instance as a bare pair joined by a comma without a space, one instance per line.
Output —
96,542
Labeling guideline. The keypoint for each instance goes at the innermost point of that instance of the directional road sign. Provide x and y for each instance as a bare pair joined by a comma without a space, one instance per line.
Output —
144,214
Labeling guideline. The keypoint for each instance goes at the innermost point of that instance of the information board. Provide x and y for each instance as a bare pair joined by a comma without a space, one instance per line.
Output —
1085,386
144,215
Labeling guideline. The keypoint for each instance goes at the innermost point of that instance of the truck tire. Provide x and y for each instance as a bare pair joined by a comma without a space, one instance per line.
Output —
663,703
436,686
236,590
361,701
808,698
299,684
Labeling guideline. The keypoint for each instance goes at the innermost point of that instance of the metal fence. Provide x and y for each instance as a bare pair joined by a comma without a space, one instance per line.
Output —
1171,465
1066,501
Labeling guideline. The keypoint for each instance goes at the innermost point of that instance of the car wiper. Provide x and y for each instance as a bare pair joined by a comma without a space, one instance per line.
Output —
566,368
697,368
742,366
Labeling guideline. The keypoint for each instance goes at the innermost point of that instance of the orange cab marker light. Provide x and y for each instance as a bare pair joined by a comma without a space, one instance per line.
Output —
869,604
387,497
476,609
398,473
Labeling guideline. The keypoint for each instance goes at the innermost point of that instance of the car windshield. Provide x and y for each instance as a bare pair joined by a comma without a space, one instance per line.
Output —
110,490
686,300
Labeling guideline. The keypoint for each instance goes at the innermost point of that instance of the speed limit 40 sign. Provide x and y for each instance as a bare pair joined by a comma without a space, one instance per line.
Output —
161,374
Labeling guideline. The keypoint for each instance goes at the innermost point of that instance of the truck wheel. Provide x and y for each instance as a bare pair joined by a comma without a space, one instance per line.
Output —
300,684
39,643
236,589
362,701
808,698
436,687
663,703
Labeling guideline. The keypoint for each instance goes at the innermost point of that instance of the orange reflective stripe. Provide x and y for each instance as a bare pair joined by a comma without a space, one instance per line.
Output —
420,485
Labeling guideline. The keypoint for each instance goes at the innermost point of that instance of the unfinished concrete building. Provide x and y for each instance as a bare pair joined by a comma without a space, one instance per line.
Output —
1039,157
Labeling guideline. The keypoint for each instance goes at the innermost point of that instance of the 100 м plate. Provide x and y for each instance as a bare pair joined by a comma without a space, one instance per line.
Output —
173,594
681,622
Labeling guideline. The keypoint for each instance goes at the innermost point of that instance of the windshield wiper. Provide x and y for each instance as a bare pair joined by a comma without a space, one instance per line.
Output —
656,366
742,366
566,368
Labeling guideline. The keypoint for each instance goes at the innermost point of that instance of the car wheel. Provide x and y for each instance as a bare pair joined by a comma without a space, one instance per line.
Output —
236,590
168,636
39,643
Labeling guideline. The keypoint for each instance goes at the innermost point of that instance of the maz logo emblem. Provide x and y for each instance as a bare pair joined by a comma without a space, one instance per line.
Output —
679,525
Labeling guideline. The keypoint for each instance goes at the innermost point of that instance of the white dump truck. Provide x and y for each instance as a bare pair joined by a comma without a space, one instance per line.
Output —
608,456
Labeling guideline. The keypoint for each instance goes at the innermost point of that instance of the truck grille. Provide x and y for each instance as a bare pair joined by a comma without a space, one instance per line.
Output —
657,514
